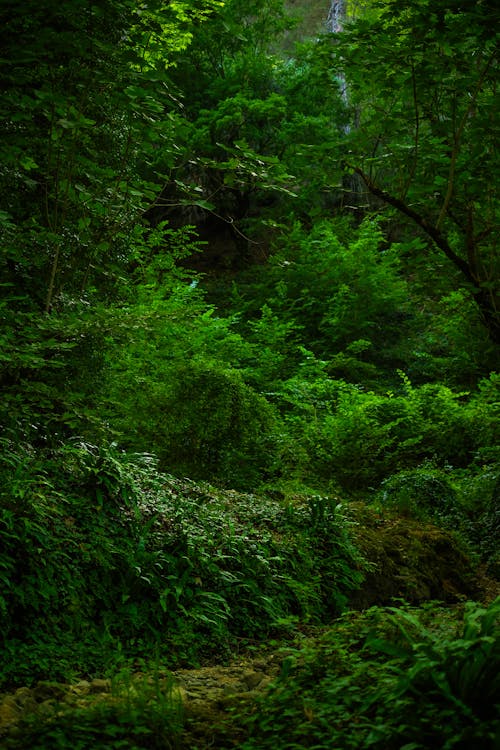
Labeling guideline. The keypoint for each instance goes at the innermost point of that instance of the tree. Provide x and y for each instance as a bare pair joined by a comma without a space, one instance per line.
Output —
85,102
422,78
256,119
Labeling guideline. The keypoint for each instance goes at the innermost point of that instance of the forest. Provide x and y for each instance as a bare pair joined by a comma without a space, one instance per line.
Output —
249,366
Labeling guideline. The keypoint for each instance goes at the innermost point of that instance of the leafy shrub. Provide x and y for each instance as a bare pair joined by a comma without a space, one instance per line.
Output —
50,369
365,438
448,689
465,501
175,390
62,560
447,342
479,492
424,493
484,414
448,431
362,437
209,424
389,679
104,559
337,285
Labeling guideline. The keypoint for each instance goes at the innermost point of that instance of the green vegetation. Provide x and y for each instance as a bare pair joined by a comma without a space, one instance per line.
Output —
249,369
389,679
106,559
133,715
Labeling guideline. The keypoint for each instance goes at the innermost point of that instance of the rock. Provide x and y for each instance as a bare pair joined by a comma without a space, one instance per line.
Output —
409,560
9,711
70,699
252,679
22,695
261,665
47,708
25,699
81,687
235,699
100,686
49,690
230,690
208,694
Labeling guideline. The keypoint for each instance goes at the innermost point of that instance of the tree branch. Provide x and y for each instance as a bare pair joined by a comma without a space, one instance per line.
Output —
432,231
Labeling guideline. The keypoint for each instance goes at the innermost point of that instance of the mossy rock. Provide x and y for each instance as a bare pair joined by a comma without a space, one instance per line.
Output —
409,560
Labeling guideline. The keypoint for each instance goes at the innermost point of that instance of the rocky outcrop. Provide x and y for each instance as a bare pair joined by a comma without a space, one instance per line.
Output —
411,560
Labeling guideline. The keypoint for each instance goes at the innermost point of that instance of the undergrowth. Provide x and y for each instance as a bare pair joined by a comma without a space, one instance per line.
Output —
134,714
104,559
389,679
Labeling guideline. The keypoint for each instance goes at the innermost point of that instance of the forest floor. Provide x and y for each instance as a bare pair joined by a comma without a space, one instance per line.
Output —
205,697
209,700
410,560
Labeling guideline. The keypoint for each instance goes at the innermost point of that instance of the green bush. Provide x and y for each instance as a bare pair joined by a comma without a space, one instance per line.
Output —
365,438
337,285
464,501
50,370
206,423
359,438
425,493
479,492
388,680
447,688
447,427
176,389
67,554
447,342
484,414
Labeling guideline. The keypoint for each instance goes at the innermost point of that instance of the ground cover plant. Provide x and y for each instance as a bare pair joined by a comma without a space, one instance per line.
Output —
394,677
390,678
131,713
110,560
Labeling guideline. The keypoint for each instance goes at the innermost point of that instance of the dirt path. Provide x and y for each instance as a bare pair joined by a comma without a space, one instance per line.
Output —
208,696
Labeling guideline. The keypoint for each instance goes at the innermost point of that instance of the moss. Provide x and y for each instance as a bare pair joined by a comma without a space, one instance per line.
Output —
409,560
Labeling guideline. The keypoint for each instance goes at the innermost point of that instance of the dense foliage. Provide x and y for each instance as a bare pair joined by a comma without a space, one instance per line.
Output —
390,679
103,556
240,250
431,127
